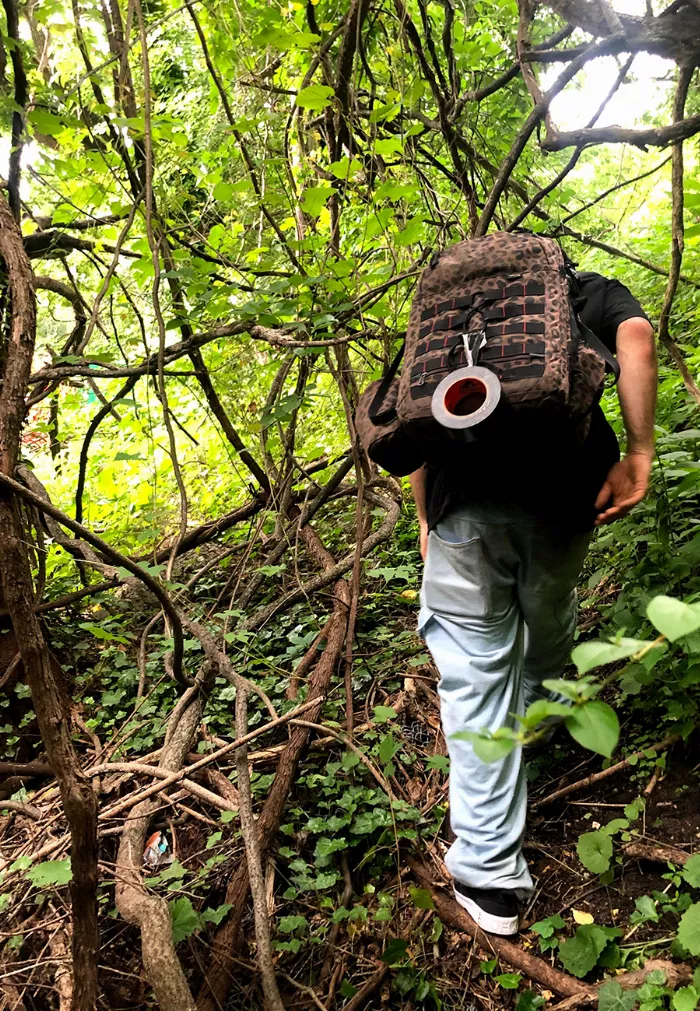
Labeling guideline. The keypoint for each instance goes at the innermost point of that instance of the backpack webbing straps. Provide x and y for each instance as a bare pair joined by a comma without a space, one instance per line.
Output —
605,353
376,415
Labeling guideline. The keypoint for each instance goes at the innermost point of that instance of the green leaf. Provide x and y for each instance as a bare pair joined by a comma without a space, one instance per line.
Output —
315,198
382,714
635,808
611,997
438,762
101,633
543,709
615,826
223,192
598,653
545,928
580,953
488,749
392,145
46,122
672,617
492,750
349,761
215,916
509,980
384,112
315,97
645,910
691,871
395,951
412,233
595,850
288,924
421,898
595,726
324,847
488,967
569,689
689,929
173,872
388,748
185,920
610,957
50,872
345,168
685,999
347,989
528,1000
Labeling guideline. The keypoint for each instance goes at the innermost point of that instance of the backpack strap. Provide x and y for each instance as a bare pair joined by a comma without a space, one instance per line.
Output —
593,341
376,415
605,353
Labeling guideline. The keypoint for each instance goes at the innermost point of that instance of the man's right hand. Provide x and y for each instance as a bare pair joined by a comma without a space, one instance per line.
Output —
423,539
625,486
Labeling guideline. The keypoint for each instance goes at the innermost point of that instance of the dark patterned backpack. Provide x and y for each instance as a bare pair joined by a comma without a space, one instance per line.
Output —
493,341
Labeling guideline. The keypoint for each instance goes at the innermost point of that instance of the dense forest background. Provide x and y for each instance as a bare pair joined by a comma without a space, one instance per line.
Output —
212,219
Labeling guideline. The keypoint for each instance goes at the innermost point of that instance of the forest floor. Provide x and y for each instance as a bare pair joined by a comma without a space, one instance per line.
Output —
465,973
360,905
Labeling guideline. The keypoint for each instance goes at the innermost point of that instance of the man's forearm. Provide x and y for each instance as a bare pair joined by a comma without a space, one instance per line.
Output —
636,354
417,480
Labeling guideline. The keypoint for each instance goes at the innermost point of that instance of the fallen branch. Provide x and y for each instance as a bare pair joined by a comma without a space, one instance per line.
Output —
159,773
28,810
175,777
254,864
596,777
25,769
656,854
367,989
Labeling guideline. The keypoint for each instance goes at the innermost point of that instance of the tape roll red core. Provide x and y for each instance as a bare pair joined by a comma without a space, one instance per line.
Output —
465,397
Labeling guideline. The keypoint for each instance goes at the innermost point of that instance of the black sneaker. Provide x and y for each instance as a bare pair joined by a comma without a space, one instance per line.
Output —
495,910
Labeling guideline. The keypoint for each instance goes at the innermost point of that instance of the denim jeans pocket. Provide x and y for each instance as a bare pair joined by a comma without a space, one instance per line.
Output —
456,582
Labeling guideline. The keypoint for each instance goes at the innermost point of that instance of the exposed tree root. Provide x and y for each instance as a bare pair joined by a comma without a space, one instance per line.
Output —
150,912
577,992
534,968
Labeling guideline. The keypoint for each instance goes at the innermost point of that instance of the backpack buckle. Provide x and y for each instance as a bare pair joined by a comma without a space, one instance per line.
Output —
473,341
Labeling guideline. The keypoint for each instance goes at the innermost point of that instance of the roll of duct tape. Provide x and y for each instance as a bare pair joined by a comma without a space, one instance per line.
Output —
466,397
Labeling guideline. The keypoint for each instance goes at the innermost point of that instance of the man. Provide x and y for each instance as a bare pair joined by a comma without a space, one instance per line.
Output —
504,536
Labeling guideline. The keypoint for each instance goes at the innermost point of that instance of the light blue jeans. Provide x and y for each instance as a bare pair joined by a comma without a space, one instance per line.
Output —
498,613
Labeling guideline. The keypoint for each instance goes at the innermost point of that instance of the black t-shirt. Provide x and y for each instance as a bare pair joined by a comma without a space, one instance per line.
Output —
562,489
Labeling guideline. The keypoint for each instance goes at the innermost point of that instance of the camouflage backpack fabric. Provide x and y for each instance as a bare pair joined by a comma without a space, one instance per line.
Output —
507,302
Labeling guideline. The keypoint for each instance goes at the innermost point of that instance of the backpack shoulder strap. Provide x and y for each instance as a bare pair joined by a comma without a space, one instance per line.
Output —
376,415
605,353
591,339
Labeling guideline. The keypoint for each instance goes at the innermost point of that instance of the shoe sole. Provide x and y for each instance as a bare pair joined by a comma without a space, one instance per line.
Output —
505,926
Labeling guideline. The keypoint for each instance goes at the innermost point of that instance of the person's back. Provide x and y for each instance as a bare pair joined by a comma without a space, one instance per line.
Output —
504,532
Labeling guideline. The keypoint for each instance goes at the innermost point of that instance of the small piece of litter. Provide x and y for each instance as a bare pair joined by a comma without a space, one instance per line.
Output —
156,850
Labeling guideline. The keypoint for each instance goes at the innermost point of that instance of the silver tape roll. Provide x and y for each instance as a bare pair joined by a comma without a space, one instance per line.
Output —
466,397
